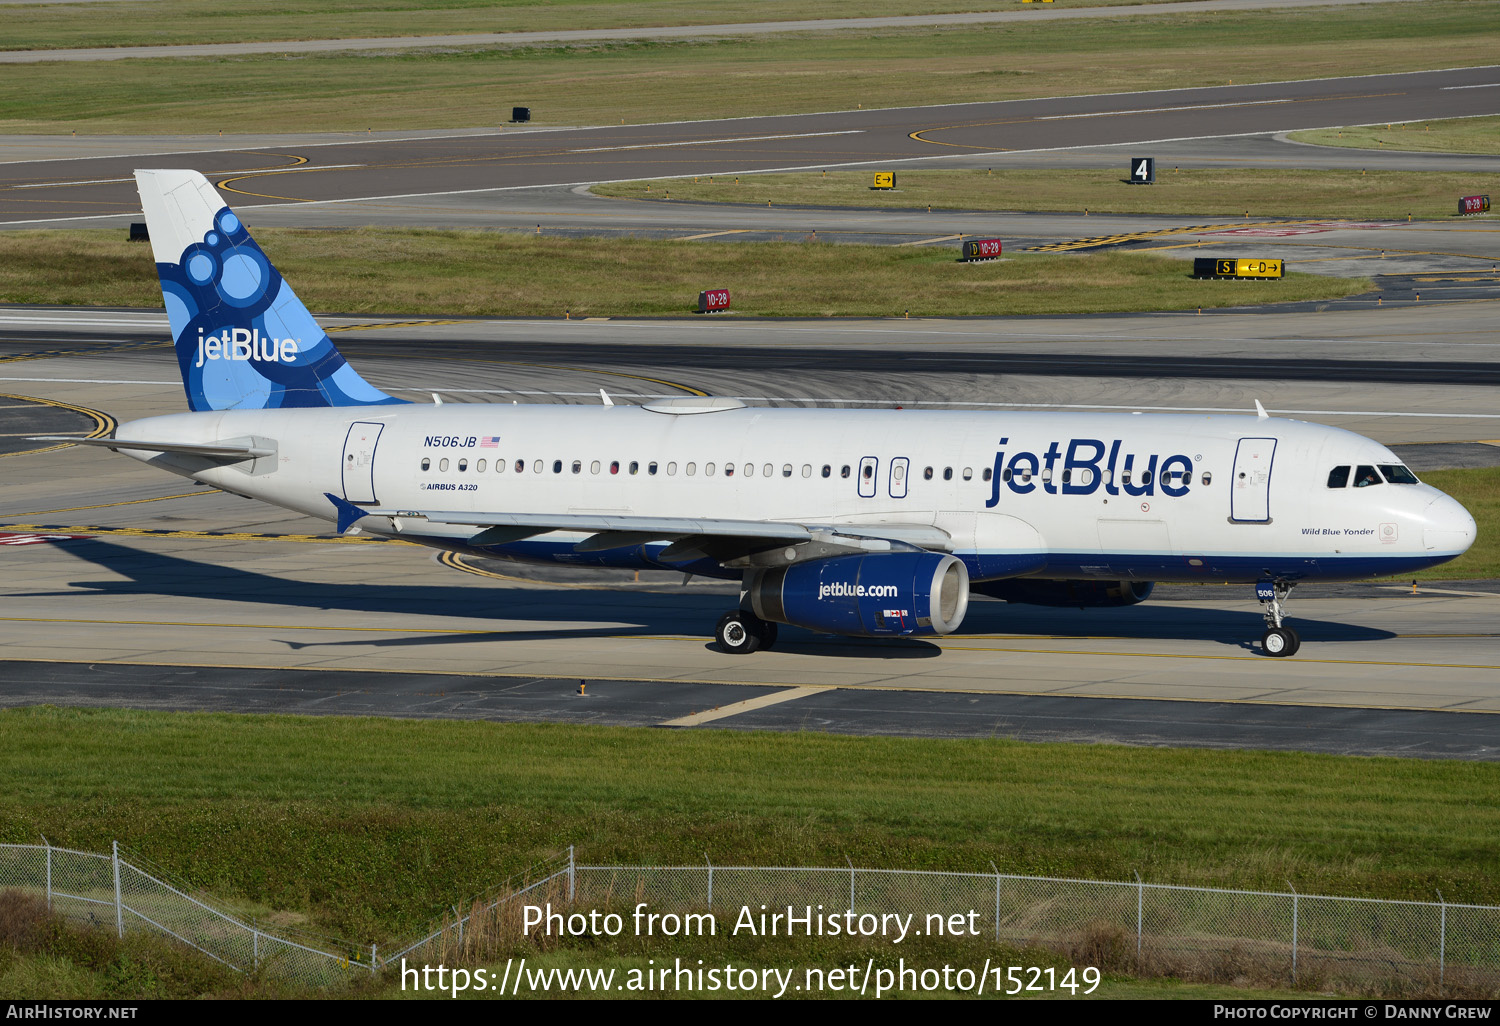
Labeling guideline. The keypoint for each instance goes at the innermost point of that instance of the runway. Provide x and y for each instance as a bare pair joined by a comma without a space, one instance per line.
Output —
84,190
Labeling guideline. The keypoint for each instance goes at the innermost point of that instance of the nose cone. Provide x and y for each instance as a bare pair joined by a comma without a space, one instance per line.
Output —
1449,527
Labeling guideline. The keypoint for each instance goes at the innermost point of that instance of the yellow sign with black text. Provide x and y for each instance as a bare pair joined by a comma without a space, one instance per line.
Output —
884,180
1254,268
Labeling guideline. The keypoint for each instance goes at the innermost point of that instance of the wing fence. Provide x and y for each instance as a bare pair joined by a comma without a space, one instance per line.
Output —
1397,947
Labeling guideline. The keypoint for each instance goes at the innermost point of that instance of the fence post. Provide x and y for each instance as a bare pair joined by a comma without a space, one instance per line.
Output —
459,919
1442,936
374,963
710,881
1294,932
49,871
1140,904
997,898
119,912
851,882
255,949
572,874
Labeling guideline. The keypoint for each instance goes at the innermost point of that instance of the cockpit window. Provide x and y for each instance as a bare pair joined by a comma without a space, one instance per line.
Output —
1397,473
1338,477
1366,476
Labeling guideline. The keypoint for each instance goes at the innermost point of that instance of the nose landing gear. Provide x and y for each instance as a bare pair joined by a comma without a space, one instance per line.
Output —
1278,640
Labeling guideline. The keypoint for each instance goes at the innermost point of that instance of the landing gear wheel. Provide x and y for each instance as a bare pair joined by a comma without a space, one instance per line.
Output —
736,633
1280,641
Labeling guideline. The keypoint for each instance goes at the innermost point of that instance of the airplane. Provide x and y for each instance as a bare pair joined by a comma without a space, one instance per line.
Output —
860,523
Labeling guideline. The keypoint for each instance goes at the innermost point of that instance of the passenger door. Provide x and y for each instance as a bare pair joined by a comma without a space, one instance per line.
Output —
359,461
1250,484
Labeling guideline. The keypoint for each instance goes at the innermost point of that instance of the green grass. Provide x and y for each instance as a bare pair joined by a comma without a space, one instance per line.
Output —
657,81
371,827
1192,193
146,23
422,272
1457,135
1479,491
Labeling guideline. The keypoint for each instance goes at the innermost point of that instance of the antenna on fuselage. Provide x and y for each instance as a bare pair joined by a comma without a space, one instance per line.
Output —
605,396
437,400
1260,411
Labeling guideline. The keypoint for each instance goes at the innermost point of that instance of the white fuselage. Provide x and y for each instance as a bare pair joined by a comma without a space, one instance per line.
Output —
1040,494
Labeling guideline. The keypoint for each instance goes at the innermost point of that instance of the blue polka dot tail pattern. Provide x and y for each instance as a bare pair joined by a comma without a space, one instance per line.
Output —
244,340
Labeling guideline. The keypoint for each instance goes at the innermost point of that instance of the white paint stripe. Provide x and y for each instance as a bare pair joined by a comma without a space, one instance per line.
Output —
1482,85
1163,110
711,142
923,242
749,705
144,321
217,174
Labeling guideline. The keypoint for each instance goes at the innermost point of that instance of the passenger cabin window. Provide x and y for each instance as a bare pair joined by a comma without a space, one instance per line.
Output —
577,466
651,468
443,465
479,467
947,473
594,467
463,465
827,470
690,469
708,468
968,473
926,473
989,472
868,472
786,470
557,466
729,470
426,463
1365,476
807,470
749,469
845,471
768,471
671,469
1338,477
1208,477
1397,473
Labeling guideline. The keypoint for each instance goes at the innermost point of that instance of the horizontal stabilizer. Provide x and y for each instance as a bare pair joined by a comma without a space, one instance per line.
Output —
229,452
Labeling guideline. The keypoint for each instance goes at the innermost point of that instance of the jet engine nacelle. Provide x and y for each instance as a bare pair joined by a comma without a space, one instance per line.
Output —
1078,594
878,595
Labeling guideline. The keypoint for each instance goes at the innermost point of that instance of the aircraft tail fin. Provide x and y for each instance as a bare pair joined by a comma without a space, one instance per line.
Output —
244,340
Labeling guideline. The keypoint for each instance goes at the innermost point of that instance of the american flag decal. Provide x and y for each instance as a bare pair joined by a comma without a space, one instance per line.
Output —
489,442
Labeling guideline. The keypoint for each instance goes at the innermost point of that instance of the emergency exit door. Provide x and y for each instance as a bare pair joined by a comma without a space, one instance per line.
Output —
1250,483
359,461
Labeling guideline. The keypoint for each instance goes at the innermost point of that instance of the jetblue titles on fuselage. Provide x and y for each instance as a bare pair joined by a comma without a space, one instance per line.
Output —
1081,472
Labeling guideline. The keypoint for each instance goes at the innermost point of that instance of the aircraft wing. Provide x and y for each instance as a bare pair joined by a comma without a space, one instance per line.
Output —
231,452
691,537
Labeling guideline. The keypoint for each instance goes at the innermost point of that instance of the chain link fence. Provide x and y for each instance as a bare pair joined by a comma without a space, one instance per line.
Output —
1307,940
1303,939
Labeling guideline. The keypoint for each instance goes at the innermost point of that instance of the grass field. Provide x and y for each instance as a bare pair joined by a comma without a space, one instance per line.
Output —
421,272
1458,135
148,23
1192,193
646,81
369,828
1479,491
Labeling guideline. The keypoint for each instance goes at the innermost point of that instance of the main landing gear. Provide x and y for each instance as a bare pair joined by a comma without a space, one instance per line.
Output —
741,632
1279,639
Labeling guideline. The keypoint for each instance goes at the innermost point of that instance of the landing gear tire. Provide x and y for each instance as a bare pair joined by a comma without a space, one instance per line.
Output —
1280,641
736,633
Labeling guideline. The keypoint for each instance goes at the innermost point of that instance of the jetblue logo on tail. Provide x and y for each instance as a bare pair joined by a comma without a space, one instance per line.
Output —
242,344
